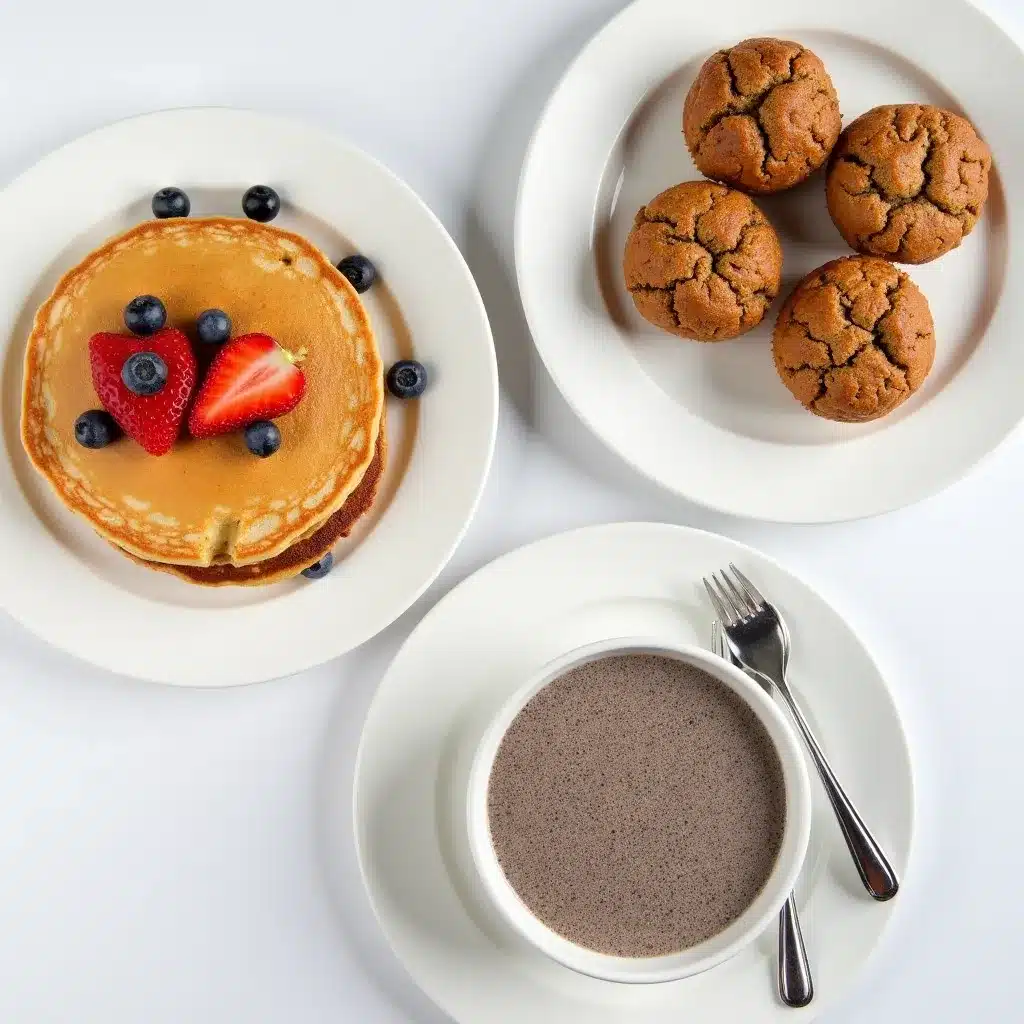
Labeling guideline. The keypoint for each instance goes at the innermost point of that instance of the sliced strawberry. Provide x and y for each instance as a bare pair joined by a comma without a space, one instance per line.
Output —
251,378
154,421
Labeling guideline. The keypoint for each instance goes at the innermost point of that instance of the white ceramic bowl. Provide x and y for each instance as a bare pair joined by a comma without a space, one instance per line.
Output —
719,947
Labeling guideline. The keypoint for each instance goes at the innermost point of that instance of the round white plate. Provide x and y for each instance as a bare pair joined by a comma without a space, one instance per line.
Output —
713,422
65,584
476,647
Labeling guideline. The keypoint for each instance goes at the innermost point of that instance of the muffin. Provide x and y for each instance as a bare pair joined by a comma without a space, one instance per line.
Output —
761,116
907,182
702,262
854,339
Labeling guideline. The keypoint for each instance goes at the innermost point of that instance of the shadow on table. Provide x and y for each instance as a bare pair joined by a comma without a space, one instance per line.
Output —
336,841
529,393
487,243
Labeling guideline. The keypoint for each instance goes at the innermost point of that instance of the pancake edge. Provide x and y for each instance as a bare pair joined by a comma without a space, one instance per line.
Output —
31,369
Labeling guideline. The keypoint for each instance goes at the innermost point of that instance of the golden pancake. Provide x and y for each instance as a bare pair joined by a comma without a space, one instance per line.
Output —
303,553
208,501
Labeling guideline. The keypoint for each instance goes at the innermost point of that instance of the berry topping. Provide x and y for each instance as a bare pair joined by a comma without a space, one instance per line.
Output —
261,203
318,570
251,378
152,420
96,429
407,379
171,202
262,438
144,373
361,273
145,315
213,326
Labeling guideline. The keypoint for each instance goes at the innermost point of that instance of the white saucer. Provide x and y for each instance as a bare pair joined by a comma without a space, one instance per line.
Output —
713,422
65,584
476,647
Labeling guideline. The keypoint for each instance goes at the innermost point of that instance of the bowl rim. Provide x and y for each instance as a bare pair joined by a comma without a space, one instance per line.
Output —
741,931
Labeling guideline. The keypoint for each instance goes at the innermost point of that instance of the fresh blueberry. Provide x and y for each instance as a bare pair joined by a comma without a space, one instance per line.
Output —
213,326
171,202
360,272
144,373
261,203
96,429
407,379
144,315
262,438
318,570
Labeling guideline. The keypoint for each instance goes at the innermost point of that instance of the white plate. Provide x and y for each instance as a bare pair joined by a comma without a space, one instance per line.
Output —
74,590
713,422
476,647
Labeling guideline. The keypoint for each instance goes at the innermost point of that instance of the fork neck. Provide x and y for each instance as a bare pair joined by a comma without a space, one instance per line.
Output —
766,659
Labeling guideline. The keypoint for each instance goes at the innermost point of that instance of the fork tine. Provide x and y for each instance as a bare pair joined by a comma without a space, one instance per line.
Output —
716,639
752,592
719,602
732,597
740,598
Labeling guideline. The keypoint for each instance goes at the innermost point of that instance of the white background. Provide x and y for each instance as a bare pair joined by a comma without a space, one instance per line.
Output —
165,854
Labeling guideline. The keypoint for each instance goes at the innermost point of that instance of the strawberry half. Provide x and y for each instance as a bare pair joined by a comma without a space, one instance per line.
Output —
154,421
251,378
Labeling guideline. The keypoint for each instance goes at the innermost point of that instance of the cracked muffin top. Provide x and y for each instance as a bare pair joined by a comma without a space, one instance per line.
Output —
907,182
702,262
854,339
761,116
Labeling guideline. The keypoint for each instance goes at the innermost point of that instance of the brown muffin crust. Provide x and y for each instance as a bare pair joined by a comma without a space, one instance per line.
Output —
761,116
854,339
702,262
907,182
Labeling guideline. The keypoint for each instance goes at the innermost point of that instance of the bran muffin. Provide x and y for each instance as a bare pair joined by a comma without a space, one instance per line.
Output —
761,116
702,262
907,182
854,339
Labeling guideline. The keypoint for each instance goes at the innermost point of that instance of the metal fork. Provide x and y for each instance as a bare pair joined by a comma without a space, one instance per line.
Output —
758,639
795,985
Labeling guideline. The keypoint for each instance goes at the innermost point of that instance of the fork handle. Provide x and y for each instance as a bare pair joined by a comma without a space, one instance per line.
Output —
875,871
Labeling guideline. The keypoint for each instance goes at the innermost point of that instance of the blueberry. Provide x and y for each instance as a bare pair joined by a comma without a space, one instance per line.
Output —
261,203
171,202
360,272
407,379
262,438
213,326
96,429
318,570
145,314
144,373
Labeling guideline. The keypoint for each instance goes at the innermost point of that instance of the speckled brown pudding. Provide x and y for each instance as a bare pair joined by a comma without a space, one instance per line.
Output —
637,806
854,339
702,262
907,182
761,116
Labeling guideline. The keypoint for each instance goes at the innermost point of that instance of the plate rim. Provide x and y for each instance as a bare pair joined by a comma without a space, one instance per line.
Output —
945,479
225,674
494,567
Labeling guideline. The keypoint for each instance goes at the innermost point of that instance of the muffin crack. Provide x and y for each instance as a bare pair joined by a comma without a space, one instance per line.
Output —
702,262
761,115
746,104
854,339
908,182
715,257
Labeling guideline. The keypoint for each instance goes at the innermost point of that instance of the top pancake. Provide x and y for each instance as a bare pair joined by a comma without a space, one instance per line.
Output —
209,501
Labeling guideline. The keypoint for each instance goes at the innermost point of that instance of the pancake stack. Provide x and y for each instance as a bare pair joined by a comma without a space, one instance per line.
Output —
209,511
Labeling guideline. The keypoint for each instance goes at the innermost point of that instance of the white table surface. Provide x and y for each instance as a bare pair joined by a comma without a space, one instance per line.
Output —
165,855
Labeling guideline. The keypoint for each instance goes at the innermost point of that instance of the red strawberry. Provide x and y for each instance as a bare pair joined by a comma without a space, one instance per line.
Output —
152,420
251,378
